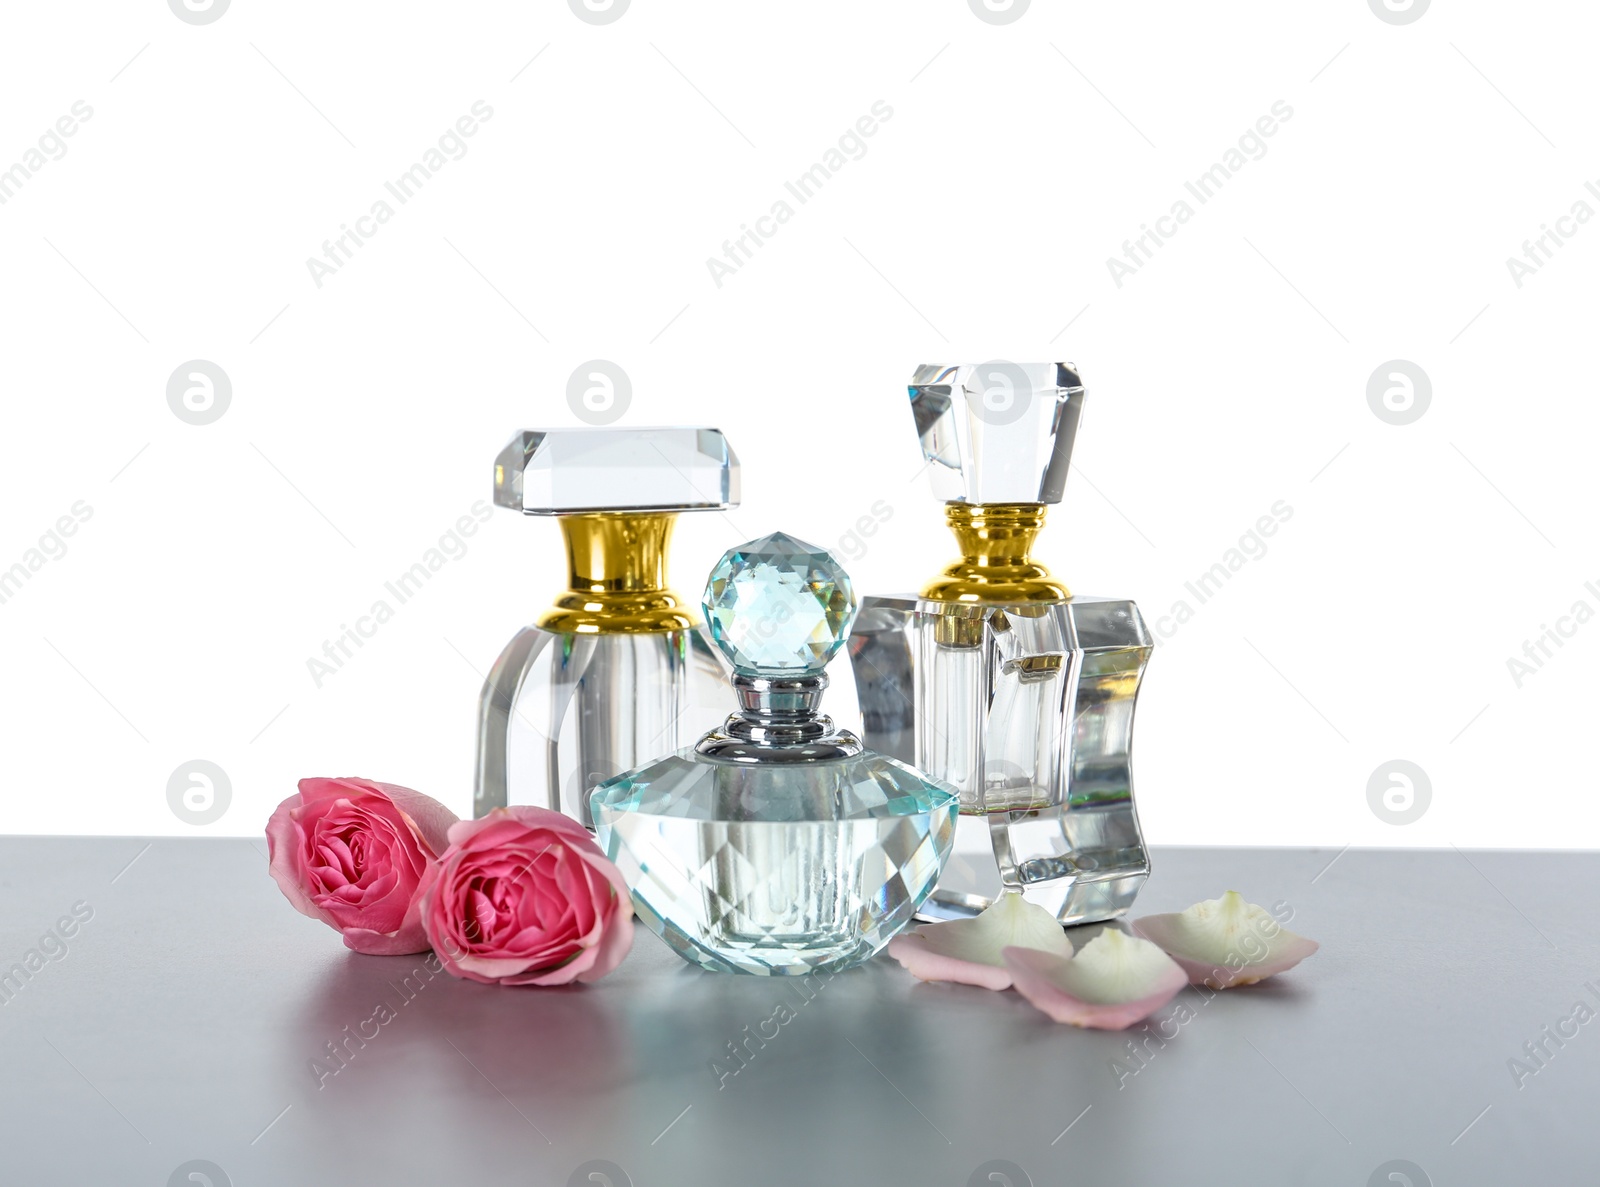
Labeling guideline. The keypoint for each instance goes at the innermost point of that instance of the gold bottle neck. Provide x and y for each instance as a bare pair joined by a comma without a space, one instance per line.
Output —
617,576
995,539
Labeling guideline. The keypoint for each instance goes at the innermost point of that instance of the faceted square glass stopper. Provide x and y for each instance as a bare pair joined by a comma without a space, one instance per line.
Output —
559,471
997,432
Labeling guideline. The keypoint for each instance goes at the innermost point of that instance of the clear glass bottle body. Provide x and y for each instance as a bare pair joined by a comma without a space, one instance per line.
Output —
776,868
1026,711
564,711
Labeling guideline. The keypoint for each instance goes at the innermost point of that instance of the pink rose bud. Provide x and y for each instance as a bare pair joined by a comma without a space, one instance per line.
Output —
353,853
524,896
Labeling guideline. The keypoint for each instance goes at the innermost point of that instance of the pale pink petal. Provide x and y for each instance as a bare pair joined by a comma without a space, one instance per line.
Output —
1114,981
1224,942
915,956
969,951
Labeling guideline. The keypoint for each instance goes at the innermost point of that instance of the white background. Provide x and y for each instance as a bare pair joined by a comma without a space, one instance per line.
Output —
1229,373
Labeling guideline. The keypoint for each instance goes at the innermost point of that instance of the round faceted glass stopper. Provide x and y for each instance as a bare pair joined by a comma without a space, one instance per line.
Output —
779,606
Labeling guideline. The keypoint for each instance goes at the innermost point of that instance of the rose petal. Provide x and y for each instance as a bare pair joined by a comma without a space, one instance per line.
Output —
283,836
431,819
969,951
1114,981
487,831
616,936
1224,942
371,943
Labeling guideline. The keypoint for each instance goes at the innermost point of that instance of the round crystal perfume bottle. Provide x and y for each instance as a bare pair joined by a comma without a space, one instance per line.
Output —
777,845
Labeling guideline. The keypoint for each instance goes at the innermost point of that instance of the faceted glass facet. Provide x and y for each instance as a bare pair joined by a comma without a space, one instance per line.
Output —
997,432
1027,711
557,471
776,869
779,606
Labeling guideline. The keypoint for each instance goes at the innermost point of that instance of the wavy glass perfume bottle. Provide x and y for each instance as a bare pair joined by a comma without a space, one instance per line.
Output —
997,680
777,845
617,671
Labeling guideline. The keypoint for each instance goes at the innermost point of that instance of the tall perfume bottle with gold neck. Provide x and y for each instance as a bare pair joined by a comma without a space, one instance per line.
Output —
618,671
997,680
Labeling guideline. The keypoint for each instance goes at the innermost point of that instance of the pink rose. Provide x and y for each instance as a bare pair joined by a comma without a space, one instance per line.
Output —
353,853
524,896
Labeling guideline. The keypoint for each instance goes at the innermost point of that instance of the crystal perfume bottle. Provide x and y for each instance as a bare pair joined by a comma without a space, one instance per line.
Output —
778,844
997,680
617,671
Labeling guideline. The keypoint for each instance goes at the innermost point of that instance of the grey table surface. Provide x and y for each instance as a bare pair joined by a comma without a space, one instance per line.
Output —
183,1022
